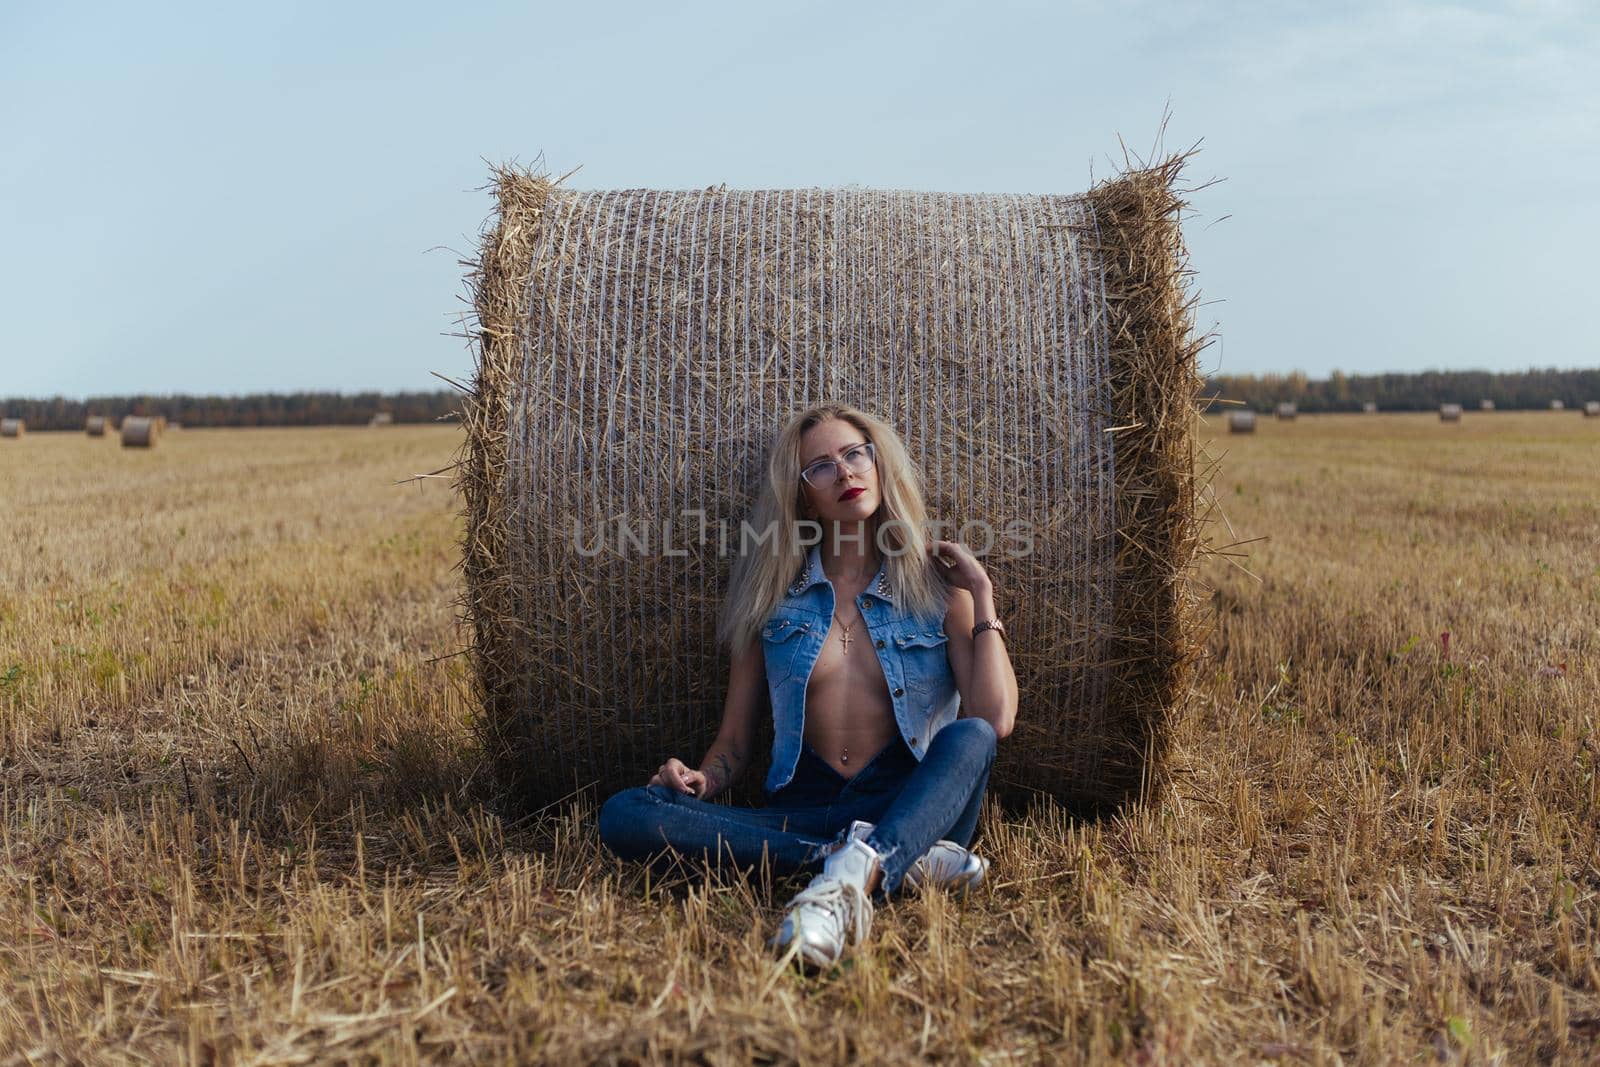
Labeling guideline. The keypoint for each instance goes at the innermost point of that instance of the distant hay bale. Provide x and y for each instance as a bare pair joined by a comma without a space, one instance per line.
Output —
1288,411
13,428
1369,407
95,425
1486,405
1558,405
1449,412
631,343
1591,409
382,418
140,431
160,423
1242,422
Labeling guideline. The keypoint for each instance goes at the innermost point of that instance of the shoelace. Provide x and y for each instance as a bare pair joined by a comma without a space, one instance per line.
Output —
836,895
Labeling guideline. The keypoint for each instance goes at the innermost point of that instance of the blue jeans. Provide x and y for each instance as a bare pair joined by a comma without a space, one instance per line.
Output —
912,804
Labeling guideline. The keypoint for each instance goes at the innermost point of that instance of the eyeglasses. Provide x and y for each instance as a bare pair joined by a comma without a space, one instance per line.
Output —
825,472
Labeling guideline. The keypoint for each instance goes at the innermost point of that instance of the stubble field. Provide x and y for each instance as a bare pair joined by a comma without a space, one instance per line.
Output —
240,820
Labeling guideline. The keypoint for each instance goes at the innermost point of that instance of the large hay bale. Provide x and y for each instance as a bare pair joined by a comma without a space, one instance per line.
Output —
1591,409
1486,404
1242,422
638,350
1370,407
95,425
1287,411
13,428
1449,412
1558,405
140,431
381,418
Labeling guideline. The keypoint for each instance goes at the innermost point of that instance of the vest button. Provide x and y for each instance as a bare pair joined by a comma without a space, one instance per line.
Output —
899,692
913,740
880,643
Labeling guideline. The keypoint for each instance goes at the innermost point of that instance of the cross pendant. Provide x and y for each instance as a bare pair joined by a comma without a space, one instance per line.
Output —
844,639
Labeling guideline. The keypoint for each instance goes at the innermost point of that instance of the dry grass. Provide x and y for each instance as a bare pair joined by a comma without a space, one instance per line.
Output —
237,821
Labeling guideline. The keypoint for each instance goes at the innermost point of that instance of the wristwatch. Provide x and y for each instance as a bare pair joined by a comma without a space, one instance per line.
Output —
990,624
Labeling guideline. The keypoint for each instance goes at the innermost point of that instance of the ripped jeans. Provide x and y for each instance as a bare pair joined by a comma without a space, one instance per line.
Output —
912,804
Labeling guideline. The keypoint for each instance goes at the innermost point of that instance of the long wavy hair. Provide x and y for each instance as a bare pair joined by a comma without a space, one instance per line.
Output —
777,552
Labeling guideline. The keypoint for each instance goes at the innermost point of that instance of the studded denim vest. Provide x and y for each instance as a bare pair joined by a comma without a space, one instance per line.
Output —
912,652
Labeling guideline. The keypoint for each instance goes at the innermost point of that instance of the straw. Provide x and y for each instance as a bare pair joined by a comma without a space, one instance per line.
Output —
637,349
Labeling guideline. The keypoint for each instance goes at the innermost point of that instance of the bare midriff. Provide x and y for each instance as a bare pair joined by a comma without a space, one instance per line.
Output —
849,716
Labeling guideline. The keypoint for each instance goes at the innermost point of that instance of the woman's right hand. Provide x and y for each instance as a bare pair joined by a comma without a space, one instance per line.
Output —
675,775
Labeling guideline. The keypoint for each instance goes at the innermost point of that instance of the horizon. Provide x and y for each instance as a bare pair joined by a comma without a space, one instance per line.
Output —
147,395
210,202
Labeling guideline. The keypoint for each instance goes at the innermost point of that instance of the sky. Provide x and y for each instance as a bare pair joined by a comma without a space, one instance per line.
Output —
207,198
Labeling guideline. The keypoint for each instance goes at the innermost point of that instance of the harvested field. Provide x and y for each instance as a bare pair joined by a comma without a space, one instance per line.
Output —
238,786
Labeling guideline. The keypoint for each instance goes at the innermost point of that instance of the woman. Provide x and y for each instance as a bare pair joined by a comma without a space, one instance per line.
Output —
888,680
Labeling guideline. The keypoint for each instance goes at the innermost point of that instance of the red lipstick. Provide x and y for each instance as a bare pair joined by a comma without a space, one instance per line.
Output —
851,494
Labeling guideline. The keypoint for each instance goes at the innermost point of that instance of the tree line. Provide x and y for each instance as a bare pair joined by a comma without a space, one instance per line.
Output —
257,409
1533,388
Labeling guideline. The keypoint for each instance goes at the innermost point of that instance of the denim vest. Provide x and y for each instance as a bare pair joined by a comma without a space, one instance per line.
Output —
911,650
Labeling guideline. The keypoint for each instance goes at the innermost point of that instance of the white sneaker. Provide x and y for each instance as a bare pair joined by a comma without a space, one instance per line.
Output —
948,864
835,904
945,863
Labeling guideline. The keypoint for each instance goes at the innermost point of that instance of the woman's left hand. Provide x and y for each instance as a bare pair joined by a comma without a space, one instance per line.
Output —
960,567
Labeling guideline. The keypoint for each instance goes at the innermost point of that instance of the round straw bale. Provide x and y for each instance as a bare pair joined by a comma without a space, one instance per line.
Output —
638,350
1288,411
13,428
140,431
1486,404
1369,407
1558,405
95,425
381,418
1591,409
1242,422
1449,412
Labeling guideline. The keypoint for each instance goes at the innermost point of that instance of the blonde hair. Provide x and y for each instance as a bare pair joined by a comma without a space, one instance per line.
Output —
761,576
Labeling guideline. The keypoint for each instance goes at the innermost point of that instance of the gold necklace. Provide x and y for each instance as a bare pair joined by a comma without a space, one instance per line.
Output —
844,638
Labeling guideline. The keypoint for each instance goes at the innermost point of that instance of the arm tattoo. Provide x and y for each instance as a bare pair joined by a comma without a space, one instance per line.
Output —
721,770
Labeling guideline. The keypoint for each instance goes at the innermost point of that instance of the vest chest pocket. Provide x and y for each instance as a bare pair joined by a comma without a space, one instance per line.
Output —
780,647
924,659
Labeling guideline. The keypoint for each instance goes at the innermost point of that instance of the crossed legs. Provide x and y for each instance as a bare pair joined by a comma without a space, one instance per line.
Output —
941,798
